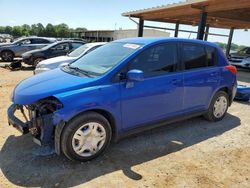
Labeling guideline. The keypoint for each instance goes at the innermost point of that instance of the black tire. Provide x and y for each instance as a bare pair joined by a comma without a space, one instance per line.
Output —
37,60
210,116
74,125
7,56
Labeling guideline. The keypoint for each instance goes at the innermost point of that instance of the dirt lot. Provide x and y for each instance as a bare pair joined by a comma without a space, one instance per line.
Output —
192,153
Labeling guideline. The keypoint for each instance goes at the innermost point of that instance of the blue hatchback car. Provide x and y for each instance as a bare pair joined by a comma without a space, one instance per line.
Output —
121,88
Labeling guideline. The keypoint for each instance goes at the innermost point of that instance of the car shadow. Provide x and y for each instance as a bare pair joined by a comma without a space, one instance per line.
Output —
22,168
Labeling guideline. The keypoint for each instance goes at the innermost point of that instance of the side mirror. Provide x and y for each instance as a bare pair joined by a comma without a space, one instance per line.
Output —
135,75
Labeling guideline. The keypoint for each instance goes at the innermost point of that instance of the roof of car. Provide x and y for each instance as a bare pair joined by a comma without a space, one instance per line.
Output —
148,40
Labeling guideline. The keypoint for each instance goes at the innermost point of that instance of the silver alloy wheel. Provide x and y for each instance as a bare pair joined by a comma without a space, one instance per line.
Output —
220,106
89,139
7,56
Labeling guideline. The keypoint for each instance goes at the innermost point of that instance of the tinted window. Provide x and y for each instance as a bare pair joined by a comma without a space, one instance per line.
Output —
157,60
211,56
39,41
76,45
193,56
63,46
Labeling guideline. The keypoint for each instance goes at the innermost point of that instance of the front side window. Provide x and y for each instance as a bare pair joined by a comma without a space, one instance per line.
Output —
194,56
60,47
156,61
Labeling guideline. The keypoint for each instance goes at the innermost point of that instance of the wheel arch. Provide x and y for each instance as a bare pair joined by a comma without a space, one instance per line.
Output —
61,126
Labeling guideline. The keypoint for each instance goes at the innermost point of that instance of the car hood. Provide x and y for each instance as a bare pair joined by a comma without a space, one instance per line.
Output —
5,45
47,84
57,61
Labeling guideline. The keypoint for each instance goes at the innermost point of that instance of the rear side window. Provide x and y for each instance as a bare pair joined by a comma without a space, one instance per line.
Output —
40,41
157,60
193,56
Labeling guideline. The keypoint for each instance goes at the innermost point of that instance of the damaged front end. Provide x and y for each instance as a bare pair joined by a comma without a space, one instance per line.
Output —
37,119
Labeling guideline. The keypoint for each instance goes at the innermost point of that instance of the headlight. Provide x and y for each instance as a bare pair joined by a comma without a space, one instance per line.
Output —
39,66
247,59
26,55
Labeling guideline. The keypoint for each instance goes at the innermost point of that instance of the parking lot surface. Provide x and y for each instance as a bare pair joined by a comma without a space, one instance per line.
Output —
191,153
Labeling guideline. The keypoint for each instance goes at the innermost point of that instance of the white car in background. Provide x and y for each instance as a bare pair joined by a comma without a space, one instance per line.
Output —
56,62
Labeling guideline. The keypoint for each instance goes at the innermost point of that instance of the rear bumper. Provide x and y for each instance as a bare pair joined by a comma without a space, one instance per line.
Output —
21,126
28,61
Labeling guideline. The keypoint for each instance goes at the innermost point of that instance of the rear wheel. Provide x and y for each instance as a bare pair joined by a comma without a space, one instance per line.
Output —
7,56
218,107
37,60
86,137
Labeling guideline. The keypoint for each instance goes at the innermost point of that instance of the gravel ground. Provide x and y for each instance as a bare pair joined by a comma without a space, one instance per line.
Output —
191,153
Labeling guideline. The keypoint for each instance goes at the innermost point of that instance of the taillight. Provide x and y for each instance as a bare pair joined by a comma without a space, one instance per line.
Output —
232,69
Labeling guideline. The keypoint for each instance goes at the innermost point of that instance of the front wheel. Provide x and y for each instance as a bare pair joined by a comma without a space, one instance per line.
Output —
218,107
86,137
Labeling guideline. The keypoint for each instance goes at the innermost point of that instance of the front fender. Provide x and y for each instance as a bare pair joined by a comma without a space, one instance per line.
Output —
104,97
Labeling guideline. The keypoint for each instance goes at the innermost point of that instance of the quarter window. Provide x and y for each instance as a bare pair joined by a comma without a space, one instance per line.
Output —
211,56
158,60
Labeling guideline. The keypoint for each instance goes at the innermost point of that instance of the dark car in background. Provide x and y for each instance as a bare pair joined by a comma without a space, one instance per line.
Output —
241,58
56,49
8,51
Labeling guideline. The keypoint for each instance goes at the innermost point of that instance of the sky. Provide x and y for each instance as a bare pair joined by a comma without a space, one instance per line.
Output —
94,14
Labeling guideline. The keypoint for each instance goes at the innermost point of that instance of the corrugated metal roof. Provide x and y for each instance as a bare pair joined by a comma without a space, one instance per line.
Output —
177,4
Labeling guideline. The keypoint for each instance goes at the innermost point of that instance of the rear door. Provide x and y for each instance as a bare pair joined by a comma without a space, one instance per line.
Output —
201,75
160,95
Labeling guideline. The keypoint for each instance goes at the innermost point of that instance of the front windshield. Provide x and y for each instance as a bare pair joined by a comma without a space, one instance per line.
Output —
77,52
105,58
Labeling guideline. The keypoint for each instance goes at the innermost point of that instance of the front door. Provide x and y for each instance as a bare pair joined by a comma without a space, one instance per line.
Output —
160,95
59,50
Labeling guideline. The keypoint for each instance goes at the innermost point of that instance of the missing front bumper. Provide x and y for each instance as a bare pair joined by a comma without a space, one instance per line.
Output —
43,125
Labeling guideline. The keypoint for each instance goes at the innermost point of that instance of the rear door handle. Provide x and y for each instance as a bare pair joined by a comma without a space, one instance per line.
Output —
214,74
176,81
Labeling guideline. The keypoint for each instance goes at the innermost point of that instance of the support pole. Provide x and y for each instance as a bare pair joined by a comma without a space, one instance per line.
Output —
202,25
176,29
206,33
230,41
140,28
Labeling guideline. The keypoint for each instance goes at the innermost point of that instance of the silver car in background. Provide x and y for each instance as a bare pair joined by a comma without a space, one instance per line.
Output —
8,51
56,62
241,58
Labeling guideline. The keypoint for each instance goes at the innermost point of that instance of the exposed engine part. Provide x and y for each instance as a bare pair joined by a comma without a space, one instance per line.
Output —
39,117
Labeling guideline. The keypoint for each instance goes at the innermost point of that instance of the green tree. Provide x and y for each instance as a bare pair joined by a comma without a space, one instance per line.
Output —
17,31
8,30
50,30
26,30
62,30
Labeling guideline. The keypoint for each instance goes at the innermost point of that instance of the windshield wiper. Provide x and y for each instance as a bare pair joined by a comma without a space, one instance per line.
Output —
86,73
